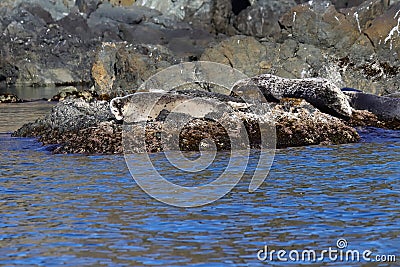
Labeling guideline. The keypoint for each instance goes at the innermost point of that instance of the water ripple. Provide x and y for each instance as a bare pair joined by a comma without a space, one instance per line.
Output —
87,210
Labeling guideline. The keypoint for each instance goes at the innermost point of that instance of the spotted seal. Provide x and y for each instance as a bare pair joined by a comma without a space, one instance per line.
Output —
321,93
147,106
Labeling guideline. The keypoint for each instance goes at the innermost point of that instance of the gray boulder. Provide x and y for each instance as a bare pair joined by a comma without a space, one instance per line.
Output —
320,24
69,115
261,18
39,51
240,52
258,21
196,12
77,126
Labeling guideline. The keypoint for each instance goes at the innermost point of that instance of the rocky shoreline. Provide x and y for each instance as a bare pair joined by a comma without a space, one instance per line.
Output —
90,127
109,48
115,47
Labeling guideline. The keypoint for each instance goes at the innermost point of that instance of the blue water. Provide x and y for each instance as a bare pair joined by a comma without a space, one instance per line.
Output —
75,210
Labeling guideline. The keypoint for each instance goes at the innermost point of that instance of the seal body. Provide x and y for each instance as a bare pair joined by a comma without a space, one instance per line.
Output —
148,106
385,108
321,93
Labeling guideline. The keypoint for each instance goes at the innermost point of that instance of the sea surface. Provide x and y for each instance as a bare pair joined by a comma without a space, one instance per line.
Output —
76,210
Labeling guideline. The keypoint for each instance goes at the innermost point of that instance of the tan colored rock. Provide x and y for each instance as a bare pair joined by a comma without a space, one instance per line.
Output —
120,68
385,31
122,2
240,52
102,69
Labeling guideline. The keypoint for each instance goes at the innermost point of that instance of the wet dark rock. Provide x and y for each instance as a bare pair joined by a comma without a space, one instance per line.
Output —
300,124
68,116
105,138
77,126
76,24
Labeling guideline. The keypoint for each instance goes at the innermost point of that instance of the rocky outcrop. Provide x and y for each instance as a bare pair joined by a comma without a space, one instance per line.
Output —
384,31
261,19
120,68
240,52
318,23
300,124
115,46
41,51
321,40
70,115
183,121
63,42
39,48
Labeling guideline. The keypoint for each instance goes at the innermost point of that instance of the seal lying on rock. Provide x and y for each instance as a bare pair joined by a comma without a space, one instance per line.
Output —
148,106
321,93
385,108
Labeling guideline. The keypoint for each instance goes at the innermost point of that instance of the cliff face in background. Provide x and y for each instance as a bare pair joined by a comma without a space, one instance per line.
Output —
115,45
